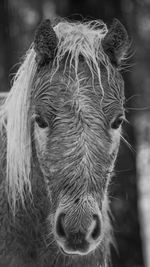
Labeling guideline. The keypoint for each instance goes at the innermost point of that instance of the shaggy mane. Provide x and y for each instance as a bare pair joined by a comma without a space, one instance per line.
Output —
75,39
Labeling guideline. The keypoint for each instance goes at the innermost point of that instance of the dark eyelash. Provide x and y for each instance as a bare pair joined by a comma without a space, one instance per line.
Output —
42,123
115,124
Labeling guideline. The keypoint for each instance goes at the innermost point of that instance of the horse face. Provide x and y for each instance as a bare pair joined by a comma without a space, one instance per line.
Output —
77,111
77,133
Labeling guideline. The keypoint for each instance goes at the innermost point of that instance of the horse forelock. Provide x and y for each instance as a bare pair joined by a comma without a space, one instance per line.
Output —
82,39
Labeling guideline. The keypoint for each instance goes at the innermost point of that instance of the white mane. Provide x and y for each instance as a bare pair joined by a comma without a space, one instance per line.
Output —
77,39
15,111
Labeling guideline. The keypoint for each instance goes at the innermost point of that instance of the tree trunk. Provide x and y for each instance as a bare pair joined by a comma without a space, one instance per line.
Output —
143,171
6,50
141,80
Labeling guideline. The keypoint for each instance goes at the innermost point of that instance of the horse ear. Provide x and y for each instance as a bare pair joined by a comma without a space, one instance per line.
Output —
45,43
116,42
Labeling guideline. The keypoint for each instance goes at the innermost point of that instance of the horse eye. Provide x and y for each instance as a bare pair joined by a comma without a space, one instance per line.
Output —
41,122
117,122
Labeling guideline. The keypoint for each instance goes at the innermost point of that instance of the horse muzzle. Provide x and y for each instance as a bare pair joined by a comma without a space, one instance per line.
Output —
78,232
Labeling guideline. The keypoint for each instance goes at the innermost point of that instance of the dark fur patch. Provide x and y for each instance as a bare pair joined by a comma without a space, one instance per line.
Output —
116,42
45,42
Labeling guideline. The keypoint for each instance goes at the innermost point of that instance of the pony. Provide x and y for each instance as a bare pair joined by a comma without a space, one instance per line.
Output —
60,129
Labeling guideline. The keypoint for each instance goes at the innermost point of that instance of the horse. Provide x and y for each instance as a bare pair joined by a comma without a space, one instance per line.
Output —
60,129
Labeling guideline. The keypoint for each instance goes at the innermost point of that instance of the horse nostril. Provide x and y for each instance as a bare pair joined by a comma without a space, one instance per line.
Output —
97,227
60,225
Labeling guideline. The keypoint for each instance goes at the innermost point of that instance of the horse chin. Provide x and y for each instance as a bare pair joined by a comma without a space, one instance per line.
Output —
94,258
86,251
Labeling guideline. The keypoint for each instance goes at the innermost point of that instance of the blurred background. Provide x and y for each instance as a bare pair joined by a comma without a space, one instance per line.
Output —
130,187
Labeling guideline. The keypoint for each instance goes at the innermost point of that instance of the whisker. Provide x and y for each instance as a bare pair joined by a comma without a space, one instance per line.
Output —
57,258
128,144
115,198
125,120
131,97
138,109
122,171
52,242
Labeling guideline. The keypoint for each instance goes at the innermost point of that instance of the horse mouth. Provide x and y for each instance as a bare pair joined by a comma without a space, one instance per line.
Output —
73,252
